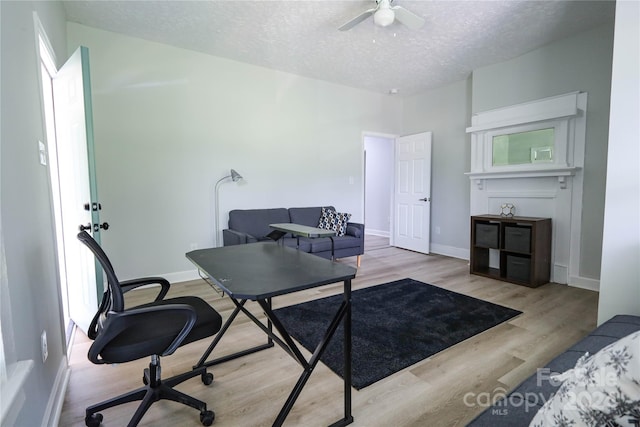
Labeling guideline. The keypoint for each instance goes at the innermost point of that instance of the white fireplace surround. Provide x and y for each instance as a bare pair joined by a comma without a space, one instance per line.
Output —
552,189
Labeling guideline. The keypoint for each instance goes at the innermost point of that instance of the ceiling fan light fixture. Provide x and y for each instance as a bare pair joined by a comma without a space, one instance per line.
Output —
384,17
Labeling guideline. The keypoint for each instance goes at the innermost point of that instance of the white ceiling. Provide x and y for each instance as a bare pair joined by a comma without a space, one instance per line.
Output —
301,37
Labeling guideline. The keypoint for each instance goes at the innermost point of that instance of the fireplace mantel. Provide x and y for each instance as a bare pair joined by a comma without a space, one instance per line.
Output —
561,173
548,186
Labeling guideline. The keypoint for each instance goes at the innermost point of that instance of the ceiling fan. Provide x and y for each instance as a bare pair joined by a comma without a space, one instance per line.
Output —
384,14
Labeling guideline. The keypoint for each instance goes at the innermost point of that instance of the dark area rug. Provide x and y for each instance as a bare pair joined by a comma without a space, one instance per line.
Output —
394,325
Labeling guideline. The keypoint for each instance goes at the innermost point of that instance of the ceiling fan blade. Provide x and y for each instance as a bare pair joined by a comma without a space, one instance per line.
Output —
407,18
358,19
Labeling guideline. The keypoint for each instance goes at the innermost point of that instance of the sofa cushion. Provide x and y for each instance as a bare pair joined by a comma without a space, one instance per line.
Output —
332,220
602,389
324,244
256,221
306,216
592,343
618,326
522,403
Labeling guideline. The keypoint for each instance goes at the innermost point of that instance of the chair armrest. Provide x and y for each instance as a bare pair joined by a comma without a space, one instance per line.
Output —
128,285
116,323
233,237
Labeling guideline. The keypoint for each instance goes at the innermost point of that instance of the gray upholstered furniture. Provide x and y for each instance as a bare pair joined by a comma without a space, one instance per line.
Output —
252,225
520,406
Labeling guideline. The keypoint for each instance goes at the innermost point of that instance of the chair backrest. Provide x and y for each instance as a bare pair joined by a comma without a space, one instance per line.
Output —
113,299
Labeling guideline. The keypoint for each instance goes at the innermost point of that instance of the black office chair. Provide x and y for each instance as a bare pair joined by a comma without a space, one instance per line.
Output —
155,329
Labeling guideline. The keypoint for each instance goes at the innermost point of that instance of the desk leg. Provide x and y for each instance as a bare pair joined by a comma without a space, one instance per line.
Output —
216,340
343,315
333,256
348,418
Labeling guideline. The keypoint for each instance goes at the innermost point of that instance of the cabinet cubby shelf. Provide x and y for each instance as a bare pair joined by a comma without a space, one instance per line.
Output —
521,246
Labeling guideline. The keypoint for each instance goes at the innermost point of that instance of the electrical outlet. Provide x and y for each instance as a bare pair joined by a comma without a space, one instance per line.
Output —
437,230
194,246
43,344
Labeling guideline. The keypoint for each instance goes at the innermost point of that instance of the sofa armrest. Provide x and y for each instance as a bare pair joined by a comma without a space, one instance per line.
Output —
355,229
233,237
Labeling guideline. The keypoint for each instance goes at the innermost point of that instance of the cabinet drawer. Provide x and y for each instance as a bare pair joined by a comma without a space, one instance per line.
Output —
517,239
487,235
518,268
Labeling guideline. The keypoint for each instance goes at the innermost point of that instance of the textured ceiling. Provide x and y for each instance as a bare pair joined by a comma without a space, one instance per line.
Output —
301,37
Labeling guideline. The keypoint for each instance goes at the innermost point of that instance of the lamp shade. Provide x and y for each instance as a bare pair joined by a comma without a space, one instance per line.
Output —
384,17
235,176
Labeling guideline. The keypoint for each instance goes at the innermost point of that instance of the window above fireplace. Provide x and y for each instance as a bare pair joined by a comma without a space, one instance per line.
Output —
536,139
521,148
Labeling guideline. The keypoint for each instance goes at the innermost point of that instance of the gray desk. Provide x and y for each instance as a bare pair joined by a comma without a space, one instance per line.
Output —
260,271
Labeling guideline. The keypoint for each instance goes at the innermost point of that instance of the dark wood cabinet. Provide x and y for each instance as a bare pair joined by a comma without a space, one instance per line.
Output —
516,250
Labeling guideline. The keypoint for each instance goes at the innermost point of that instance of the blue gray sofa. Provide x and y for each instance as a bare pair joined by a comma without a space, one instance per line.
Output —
520,406
252,225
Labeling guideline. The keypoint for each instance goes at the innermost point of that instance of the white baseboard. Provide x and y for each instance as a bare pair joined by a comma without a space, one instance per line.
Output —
53,410
181,276
380,233
584,283
451,251
177,277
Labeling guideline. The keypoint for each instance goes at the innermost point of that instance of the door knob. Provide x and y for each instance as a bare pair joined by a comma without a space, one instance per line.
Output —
92,207
104,226
85,227
425,199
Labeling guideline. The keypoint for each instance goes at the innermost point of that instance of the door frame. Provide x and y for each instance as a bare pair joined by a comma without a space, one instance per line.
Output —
392,138
45,55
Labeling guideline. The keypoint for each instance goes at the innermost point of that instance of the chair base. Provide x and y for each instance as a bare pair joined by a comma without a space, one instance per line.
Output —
154,390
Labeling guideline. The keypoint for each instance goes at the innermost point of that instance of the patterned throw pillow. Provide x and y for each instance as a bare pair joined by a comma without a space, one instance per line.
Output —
332,220
602,390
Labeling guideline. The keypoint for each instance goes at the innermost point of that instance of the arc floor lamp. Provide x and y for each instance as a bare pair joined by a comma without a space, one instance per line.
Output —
235,177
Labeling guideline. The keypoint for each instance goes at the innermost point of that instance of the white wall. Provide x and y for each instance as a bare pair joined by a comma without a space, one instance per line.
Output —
378,184
170,122
27,223
579,63
446,112
620,278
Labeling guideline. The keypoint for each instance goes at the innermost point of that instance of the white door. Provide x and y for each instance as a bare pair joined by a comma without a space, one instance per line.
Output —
77,185
412,195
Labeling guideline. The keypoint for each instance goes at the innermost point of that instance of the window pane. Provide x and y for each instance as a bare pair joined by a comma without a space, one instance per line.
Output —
523,147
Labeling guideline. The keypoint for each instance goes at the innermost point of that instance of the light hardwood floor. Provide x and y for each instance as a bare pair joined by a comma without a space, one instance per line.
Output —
448,389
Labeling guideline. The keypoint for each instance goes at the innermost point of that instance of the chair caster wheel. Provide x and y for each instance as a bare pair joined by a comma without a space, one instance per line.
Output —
144,380
207,378
207,417
93,420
